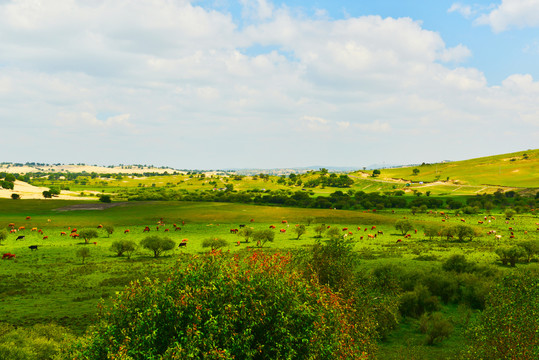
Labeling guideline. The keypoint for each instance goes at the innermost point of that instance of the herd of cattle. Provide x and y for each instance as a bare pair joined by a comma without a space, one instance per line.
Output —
73,232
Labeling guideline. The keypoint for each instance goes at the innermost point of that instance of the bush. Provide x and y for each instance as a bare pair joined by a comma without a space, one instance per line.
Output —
435,326
88,234
123,246
224,307
83,253
214,243
404,226
15,196
508,327
416,302
458,264
157,244
263,236
510,255
105,198
3,235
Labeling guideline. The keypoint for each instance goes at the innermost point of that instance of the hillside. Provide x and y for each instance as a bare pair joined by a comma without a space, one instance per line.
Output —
519,169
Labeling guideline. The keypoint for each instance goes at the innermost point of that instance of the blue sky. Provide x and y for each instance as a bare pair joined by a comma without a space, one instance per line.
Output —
215,84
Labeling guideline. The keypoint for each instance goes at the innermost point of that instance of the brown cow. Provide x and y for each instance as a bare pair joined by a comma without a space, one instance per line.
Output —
126,231
146,229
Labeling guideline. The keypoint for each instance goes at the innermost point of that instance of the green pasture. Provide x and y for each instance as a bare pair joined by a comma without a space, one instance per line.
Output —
52,284
520,169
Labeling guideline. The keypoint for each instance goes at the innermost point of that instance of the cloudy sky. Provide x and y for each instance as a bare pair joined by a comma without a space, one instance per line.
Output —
216,84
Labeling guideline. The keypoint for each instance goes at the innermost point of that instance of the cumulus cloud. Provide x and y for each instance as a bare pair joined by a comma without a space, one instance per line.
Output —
178,75
464,10
512,14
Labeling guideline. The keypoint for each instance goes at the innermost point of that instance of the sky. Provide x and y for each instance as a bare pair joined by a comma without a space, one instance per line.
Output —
220,84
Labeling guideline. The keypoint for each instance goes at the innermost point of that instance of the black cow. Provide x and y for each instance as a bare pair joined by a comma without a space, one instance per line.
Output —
32,247
182,244
242,225
20,237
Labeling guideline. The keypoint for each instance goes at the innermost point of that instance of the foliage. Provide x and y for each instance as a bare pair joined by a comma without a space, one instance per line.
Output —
246,233
300,230
3,235
404,226
320,229
105,198
531,247
263,236
83,253
88,234
508,327
415,303
47,194
432,230
458,264
37,342
214,243
7,185
510,254
435,326
463,232
123,246
333,233
157,244
15,196
109,229
223,307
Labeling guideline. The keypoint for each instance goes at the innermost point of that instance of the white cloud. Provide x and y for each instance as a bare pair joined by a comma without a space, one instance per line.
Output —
464,10
179,75
512,14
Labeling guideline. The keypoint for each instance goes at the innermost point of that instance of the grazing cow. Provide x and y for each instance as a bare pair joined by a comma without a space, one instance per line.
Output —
497,237
21,228
233,231
28,218
45,237
284,222
177,228
40,231
146,229
283,230
183,244
350,233
100,226
15,230
11,225
95,242
399,240
63,233
126,231
344,229
415,231
32,247
166,230
373,227
443,220
252,220
511,236
20,237
380,232
371,236
238,243
242,226
272,227
8,256
74,230
358,228
480,222
33,229
511,228
74,235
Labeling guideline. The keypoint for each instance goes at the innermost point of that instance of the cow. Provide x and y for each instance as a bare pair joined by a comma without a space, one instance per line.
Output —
463,220
242,226
45,237
252,220
344,229
166,230
183,244
177,228
283,230
272,226
284,222
480,222
358,228
28,218
21,228
13,231
63,233
380,232
20,237
497,237
371,236
11,225
233,231
373,227
33,229
399,240
146,229
74,230
8,256
100,226
40,231
74,235
238,243
32,247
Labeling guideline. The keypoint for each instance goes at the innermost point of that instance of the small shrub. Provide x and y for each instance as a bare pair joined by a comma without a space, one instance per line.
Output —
435,326
458,264
214,243
157,244
416,302
123,246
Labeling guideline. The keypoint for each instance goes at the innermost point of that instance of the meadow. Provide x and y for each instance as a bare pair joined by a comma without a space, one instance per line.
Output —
53,285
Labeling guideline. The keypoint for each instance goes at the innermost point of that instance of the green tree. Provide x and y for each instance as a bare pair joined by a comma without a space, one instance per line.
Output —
510,255
509,213
333,233
47,194
3,235
109,229
448,232
214,243
404,226
263,236
83,253
432,231
463,232
300,230
319,230
7,185
415,171
157,244
105,198
531,247
15,196
88,234
121,247
309,220
375,173
246,233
